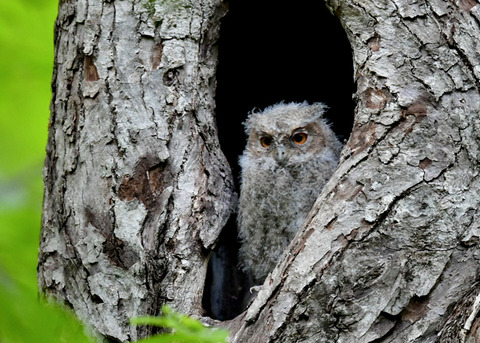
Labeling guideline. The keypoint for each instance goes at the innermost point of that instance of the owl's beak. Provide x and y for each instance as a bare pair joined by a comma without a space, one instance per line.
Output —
281,155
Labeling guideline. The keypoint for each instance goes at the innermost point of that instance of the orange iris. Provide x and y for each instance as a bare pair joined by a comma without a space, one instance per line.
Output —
299,138
266,141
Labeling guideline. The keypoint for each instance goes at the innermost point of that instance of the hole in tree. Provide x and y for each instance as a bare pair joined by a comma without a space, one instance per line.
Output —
270,52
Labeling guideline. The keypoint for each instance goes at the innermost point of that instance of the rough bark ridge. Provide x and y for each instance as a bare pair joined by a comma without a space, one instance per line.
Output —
390,252
136,187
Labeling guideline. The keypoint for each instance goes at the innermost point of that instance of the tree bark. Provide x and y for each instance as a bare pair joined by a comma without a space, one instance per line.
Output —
137,189
390,251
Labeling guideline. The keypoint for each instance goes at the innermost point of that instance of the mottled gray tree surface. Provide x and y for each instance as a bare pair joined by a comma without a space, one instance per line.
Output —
137,189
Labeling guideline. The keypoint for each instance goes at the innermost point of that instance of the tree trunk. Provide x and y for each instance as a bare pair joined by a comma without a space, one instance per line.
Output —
137,189
390,251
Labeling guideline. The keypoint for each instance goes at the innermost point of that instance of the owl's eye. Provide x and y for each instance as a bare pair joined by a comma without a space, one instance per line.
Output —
299,138
266,141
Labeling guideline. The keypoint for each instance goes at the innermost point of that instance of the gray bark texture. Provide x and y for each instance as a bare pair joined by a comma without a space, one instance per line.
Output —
137,189
390,251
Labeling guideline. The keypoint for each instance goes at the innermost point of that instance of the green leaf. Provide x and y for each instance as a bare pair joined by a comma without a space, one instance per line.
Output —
184,329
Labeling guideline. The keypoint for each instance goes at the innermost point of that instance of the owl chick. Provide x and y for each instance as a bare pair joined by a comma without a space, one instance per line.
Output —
291,152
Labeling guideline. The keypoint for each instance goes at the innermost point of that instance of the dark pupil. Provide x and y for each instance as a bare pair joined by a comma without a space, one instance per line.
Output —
298,138
266,141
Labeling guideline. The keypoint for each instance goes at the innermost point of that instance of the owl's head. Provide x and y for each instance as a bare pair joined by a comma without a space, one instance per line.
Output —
284,131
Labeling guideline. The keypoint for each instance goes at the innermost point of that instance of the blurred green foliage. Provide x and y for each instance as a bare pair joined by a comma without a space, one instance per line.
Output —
26,61
183,329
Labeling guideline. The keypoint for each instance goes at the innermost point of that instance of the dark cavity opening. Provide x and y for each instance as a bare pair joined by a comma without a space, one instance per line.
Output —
272,51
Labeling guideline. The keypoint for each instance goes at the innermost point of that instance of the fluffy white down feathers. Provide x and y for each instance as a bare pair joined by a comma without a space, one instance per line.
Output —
291,152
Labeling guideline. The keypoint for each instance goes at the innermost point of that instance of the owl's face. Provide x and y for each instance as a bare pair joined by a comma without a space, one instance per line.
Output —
286,144
286,134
